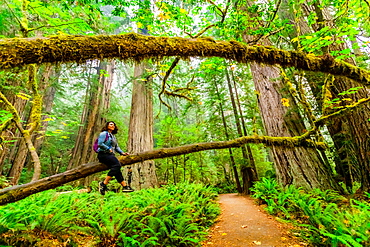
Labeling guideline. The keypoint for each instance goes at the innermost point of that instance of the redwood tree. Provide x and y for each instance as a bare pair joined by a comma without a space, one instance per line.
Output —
97,101
297,166
140,137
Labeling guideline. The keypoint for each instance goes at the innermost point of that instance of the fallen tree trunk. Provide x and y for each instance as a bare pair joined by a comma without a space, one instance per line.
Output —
67,48
18,192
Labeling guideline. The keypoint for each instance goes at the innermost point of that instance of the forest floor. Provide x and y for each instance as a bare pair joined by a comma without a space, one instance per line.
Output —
242,223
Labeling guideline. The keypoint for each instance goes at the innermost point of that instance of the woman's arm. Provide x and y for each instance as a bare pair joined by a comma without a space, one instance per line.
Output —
101,139
118,150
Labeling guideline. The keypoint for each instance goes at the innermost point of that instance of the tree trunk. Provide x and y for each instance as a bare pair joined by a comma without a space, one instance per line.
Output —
246,168
8,153
140,136
245,133
22,152
185,159
97,101
350,134
49,74
174,169
18,164
77,149
231,155
298,166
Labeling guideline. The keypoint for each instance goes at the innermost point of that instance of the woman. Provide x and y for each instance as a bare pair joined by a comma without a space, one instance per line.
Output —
107,146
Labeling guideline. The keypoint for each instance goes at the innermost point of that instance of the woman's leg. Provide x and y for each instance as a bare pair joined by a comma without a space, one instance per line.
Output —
107,179
115,169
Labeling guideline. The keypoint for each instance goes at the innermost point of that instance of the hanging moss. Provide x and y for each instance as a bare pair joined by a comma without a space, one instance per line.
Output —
63,49
37,99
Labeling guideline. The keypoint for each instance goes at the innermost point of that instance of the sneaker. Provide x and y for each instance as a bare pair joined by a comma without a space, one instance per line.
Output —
102,188
127,189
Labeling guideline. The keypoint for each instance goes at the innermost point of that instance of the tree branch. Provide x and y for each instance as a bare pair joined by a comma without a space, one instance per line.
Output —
53,26
201,32
218,8
164,81
11,11
63,49
322,120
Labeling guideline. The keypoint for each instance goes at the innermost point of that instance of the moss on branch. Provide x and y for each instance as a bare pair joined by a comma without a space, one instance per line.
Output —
63,49
341,113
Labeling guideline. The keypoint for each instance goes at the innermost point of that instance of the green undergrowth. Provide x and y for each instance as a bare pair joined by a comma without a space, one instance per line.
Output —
323,218
170,216
225,187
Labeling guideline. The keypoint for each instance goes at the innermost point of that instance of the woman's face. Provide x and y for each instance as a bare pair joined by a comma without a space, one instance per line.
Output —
111,126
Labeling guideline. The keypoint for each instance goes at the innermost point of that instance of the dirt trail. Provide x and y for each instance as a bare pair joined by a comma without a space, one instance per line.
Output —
243,223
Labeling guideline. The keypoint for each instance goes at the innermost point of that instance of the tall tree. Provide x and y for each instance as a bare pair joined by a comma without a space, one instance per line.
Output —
140,136
317,30
247,168
97,98
301,167
350,135
13,87
21,150
231,153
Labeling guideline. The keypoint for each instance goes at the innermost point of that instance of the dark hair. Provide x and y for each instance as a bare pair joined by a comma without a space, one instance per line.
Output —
105,128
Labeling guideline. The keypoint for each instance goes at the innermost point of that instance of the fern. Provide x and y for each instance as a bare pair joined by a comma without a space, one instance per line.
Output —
324,218
343,239
127,241
171,216
265,189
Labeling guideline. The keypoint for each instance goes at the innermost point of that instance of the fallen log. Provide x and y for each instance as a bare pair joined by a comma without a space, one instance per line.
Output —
18,192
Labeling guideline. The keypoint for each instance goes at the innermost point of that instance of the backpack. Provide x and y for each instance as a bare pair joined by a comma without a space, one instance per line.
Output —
95,146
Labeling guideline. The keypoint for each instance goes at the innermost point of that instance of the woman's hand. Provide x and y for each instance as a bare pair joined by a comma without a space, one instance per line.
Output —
125,154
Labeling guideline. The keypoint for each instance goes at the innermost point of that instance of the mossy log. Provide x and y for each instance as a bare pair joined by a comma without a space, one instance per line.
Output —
19,192
18,52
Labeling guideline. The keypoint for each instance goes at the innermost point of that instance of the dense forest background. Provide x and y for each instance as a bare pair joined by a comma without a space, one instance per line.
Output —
50,113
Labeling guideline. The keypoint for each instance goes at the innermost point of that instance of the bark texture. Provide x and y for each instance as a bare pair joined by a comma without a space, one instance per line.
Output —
299,166
18,162
351,135
140,136
97,101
